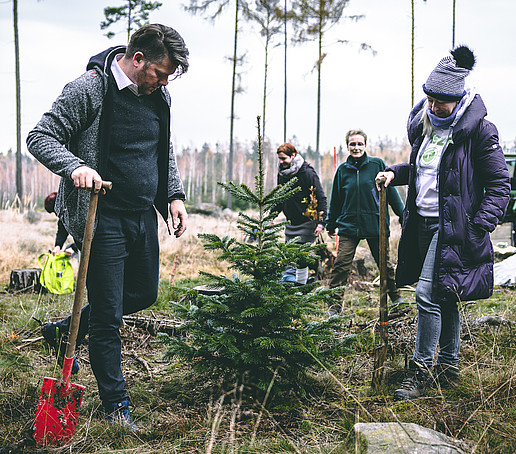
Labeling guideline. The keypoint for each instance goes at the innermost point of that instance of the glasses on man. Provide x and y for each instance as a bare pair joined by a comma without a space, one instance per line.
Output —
167,77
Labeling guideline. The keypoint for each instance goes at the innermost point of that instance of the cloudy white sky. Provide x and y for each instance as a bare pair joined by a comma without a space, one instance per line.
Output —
57,37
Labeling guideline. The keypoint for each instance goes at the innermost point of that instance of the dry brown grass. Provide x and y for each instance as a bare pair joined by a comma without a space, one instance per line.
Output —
191,254
21,242
177,408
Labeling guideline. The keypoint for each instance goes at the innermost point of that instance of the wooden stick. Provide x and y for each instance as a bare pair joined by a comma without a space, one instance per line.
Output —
173,272
381,351
81,283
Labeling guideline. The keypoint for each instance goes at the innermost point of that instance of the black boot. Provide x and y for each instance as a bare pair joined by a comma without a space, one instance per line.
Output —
56,339
414,384
445,375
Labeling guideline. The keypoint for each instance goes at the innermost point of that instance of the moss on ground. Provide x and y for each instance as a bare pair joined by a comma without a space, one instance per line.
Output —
183,412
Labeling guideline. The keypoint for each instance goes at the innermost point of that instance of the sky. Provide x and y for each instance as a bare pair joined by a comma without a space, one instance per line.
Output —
359,89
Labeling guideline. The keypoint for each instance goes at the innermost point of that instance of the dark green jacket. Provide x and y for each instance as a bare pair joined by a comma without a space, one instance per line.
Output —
354,201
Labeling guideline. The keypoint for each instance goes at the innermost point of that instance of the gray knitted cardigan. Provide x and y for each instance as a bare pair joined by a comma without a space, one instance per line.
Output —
75,132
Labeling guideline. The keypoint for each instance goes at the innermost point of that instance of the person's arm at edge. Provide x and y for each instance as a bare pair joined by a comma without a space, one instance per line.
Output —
176,197
322,203
333,207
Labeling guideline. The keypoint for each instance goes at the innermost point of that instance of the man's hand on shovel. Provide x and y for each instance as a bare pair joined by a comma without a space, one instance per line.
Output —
85,177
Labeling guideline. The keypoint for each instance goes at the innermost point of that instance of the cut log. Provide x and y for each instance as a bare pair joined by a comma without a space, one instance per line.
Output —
153,325
209,290
26,280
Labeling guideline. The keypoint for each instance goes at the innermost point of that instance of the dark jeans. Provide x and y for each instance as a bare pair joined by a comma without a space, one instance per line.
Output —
123,276
438,325
345,255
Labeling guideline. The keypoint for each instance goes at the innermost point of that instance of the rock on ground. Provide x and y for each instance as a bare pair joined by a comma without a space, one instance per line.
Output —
407,438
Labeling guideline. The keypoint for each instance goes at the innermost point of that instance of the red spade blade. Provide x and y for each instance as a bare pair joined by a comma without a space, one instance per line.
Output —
58,412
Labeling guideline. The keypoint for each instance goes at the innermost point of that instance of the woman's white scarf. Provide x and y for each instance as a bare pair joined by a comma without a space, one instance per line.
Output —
295,165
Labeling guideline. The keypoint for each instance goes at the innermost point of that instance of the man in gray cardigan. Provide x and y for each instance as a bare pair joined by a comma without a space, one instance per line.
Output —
113,123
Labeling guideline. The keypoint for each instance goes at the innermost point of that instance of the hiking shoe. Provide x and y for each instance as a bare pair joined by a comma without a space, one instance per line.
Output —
445,375
56,339
414,384
398,301
333,310
288,279
119,414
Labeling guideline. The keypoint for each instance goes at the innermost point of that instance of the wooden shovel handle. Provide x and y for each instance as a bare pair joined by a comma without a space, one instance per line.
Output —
383,244
380,353
81,282
380,179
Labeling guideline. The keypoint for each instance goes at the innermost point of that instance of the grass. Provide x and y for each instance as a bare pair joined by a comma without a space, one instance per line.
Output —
22,241
183,412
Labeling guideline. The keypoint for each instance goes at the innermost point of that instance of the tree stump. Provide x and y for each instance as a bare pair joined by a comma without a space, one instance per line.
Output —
26,280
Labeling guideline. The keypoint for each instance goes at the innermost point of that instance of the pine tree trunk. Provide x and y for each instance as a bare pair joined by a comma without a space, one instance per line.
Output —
412,55
213,181
232,114
129,19
318,131
285,84
267,39
19,181
453,25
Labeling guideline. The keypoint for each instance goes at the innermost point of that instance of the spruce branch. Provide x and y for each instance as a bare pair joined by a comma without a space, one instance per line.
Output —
256,323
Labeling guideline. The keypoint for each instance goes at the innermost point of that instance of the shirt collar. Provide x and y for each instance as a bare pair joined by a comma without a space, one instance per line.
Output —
121,79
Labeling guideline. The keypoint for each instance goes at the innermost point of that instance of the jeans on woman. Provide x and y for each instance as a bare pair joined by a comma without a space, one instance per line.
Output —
438,324
305,233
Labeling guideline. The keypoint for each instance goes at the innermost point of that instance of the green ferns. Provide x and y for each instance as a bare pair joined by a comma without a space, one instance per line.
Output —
255,324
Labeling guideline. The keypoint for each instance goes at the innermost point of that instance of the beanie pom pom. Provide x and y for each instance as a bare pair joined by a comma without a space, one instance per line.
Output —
464,57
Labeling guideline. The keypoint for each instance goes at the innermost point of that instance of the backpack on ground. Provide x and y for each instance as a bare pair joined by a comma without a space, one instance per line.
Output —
56,273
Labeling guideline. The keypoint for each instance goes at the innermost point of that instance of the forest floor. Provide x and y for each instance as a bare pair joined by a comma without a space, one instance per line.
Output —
180,411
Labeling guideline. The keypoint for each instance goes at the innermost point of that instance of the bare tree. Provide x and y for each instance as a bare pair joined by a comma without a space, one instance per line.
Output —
268,16
413,28
453,24
285,47
287,16
212,9
312,20
135,12
19,181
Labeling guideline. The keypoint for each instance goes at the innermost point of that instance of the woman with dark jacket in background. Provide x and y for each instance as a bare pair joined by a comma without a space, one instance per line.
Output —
62,233
298,209
355,211
458,188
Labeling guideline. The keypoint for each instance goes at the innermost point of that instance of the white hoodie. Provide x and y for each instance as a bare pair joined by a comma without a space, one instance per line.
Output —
428,162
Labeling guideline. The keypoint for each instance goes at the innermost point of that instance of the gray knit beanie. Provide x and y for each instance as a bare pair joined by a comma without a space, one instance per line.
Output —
446,81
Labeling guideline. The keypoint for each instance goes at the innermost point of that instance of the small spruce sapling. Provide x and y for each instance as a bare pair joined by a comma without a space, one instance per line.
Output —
256,324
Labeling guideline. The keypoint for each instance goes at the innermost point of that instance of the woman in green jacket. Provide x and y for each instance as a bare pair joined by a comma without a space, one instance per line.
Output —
354,210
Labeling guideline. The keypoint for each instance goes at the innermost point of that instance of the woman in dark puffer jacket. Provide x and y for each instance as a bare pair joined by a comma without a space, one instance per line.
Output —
458,189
